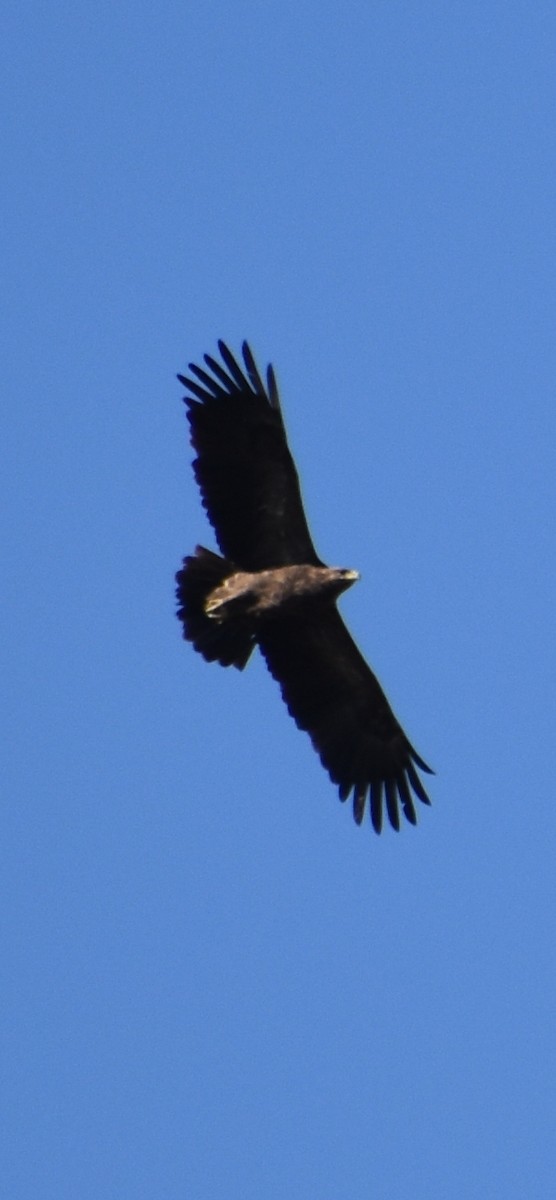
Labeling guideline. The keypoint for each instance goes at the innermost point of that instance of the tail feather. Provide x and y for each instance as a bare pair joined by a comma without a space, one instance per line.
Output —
228,643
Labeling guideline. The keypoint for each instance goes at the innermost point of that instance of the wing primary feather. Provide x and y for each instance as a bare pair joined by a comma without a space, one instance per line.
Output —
196,388
272,387
406,799
219,371
392,804
416,784
344,790
211,385
359,802
234,369
420,762
252,370
376,804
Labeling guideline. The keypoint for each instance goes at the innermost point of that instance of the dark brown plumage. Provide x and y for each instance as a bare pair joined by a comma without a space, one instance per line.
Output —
272,590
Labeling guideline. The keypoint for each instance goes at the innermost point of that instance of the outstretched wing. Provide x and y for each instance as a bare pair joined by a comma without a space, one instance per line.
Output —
247,476
332,693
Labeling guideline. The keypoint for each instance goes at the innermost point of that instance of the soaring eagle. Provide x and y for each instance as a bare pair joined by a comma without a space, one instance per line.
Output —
272,590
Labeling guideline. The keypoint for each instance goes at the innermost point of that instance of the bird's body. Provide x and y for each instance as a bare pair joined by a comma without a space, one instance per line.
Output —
272,590
276,592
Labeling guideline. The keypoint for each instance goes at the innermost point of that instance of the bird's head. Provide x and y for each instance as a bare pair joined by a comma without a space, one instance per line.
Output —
343,578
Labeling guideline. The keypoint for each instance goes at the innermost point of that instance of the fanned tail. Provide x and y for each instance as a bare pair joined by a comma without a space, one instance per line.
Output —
228,642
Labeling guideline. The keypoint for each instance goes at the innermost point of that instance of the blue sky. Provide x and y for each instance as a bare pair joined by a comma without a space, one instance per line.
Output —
214,984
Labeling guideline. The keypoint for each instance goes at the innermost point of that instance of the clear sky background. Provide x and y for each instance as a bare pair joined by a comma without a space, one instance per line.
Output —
213,984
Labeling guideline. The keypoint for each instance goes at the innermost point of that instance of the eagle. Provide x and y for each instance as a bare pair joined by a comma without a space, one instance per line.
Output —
268,588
